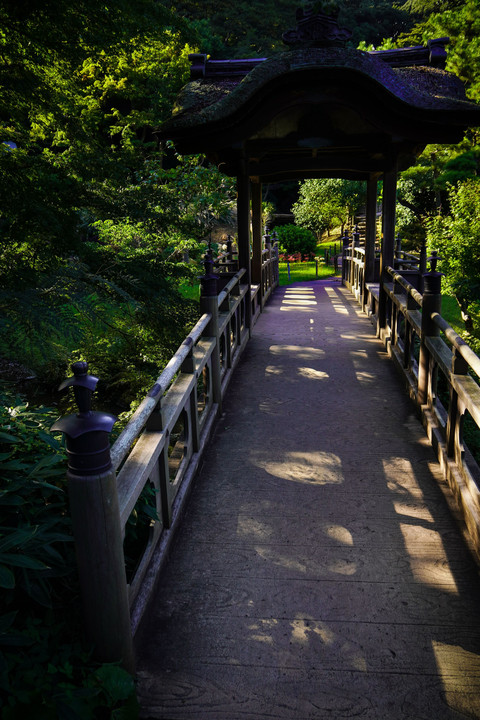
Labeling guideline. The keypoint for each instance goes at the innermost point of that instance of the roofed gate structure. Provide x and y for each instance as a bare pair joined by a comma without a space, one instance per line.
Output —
320,110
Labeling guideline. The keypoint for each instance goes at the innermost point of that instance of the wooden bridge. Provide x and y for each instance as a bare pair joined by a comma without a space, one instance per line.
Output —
323,561
323,565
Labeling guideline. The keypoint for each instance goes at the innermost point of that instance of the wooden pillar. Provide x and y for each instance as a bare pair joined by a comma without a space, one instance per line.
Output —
388,242
256,191
371,229
243,239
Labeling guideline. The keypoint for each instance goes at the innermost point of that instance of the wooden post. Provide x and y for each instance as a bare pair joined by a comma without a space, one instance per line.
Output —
243,221
188,366
388,244
370,234
407,345
97,528
101,566
345,246
256,194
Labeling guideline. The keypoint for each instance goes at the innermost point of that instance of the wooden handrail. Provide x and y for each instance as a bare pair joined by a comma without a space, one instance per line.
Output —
458,343
139,419
418,297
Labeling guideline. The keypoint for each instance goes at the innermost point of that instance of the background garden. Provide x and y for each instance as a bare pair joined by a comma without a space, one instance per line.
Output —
103,228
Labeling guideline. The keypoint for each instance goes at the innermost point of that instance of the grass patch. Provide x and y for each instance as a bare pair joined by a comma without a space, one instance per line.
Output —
303,271
452,314
332,245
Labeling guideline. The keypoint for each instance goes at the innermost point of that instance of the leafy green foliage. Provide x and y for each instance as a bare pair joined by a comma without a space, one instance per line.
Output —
325,204
456,236
293,239
44,671
423,189
97,234
255,29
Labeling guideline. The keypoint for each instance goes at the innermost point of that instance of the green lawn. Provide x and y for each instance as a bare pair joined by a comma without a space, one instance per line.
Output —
303,271
451,313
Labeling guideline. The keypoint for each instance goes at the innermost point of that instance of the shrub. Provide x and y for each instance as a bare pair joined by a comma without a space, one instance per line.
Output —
294,239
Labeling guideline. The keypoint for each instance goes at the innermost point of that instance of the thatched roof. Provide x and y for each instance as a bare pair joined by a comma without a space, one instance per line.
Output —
320,110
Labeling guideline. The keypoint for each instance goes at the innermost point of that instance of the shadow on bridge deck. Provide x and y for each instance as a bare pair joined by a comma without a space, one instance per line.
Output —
318,571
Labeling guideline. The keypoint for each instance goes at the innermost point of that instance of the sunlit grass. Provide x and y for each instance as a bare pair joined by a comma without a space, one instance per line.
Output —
302,271
451,313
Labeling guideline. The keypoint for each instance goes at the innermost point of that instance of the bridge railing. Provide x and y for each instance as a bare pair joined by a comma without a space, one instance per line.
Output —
269,271
151,465
163,442
440,370
441,374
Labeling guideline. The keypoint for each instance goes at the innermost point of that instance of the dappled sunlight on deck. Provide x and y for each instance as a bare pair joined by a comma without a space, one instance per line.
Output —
455,665
298,299
315,468
319,573
428,559
299,351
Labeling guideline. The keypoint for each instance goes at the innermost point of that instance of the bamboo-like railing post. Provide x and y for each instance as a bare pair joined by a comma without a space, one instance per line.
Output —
432,303
243,238
97,530
353,268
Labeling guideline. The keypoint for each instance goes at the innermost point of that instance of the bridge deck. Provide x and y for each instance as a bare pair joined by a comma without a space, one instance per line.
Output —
318,571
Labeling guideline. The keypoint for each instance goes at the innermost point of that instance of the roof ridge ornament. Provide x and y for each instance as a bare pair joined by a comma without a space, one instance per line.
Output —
317,26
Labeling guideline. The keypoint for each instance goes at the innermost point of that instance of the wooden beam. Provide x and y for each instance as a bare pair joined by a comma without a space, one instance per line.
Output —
371,228
243,236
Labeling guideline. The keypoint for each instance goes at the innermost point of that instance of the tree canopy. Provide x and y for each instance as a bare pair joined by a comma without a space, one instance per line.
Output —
325,204
95,215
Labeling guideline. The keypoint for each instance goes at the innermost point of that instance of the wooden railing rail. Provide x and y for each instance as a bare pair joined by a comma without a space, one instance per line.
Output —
137,422
163,441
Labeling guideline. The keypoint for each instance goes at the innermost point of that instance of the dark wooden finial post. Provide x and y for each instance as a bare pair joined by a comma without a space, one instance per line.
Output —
398,245
94,508
229,243
432,302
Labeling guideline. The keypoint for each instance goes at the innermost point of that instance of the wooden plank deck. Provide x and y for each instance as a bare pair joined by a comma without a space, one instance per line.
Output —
318,572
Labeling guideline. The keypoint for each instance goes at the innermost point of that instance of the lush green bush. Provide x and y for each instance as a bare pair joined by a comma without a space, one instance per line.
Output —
293,239
45,673
456,237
